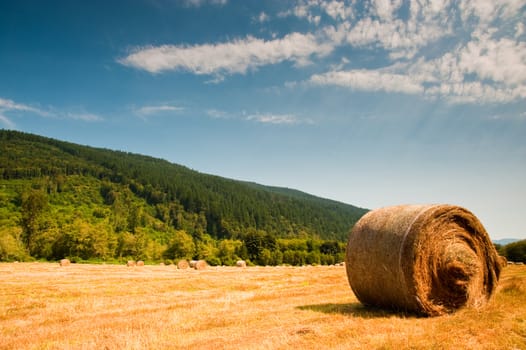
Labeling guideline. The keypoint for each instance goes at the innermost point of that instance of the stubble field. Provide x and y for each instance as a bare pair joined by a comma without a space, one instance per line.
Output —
45,306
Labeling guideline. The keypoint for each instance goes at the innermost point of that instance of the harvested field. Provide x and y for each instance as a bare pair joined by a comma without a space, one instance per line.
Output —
44,306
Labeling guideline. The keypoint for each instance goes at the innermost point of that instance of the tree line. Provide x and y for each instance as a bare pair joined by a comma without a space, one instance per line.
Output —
74,221
64,200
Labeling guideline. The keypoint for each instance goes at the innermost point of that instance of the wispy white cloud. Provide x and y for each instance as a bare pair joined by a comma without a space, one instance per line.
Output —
218,114
262,118
369,80
10,106
150,110
199,3
501,60
262,17
232,57
283,119
338,10
488,65
483,62
84,116
6,122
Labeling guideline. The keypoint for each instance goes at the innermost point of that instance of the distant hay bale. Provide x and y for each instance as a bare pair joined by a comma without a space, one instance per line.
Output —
161,264
183,264
130,263
65,262
428,259
503,261
241,263
140,263
192,263
200,265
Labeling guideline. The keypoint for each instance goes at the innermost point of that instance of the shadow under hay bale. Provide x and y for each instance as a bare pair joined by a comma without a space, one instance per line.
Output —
427,259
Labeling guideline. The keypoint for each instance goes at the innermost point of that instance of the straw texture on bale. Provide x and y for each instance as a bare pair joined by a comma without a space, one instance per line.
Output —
65,262
183,264
200,265
427,259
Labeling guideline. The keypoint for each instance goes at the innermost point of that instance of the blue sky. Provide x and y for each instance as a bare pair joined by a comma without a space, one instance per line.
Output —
371,103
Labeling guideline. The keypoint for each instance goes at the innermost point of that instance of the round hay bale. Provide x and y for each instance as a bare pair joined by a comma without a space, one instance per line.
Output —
241,263
427,259
65,262
183,264
130,263
140,263
192,263
503,261
200,265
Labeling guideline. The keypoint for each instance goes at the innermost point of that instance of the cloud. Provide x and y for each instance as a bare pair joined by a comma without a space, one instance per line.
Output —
199,3
483,62
337,9
87,117
6,122
484,70
217,114
462,52
502,60
262,17
263,118
149,110
234,57
369,80
10,106
283,119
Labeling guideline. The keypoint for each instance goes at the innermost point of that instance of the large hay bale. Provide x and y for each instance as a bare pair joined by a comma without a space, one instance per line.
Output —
183,264
65,262
241,263
200,265
192,263
428,259
130,263
140,263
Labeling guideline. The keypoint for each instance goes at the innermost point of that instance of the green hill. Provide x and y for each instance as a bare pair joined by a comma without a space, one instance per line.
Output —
61,199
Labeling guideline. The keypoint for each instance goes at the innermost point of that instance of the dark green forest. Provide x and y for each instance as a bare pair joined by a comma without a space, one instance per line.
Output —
515,251
59,199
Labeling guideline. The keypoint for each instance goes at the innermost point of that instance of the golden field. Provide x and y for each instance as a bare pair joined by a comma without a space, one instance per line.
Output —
46,306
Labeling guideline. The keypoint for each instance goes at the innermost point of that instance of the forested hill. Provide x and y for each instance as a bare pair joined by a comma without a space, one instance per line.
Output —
133,194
